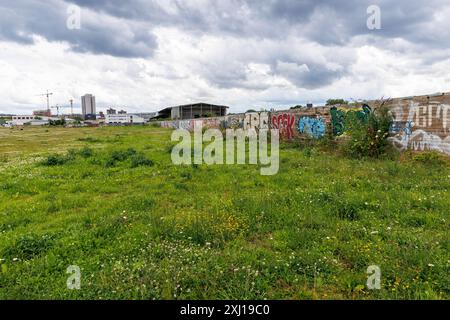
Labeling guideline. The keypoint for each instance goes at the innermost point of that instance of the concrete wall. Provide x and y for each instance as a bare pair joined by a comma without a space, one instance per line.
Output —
420,123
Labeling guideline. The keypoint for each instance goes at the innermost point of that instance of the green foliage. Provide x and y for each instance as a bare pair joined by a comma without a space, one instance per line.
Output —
28,247
368,135
55,160
139,159
89,139
86,152
333,102
432,158
59,122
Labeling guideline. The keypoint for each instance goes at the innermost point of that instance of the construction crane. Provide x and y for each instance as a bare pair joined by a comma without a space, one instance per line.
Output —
57,107
48,94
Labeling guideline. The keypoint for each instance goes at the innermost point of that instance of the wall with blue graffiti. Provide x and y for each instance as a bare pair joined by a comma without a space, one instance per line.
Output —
313,127
420,123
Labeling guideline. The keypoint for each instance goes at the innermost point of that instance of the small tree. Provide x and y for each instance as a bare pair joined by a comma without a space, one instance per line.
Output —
333,102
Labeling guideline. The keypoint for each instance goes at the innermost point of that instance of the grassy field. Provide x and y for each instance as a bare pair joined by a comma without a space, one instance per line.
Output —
139,227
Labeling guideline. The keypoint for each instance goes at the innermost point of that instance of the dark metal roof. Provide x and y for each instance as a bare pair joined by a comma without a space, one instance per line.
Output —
193,105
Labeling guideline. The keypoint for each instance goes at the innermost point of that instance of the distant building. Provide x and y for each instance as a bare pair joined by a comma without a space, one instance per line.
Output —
123,119
193,111
122,112
111,111
42,113
21,120
147,115
88,106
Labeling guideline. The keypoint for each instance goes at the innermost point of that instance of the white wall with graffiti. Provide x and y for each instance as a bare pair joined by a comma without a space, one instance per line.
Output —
420,123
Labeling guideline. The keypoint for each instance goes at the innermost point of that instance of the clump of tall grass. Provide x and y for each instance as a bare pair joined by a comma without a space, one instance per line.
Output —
55,160
61,159
137,158
432,158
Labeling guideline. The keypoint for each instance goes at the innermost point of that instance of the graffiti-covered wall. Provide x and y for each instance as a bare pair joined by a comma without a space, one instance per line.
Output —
420,123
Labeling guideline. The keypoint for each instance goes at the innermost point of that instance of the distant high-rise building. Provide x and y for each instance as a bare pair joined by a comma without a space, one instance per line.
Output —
88,106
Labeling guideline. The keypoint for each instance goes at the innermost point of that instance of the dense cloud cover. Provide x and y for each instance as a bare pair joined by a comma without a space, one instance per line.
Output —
239,52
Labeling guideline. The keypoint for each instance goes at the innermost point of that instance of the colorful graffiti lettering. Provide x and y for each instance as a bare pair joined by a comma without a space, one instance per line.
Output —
313,127
421,127
337,121
402,126
256,120
233,122
285,123
341,117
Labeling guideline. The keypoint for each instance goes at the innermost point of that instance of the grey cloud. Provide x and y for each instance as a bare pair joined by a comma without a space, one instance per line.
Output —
124,29
321,21
23,19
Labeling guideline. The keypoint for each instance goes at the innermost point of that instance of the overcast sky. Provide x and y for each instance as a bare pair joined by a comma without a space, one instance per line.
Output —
145,55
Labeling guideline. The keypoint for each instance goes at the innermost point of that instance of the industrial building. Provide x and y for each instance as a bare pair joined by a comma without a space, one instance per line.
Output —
42,113
33,120
193,111
123,119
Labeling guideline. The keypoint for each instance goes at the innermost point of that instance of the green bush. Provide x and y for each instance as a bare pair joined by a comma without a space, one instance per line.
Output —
55,160
86,152
139,159
368,136
89,139
28,247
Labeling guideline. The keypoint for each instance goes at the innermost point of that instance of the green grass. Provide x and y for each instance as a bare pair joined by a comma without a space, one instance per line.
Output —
139,227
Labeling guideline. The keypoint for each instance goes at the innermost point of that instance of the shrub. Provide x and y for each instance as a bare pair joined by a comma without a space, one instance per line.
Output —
89,139
86,152
368,135
332,102
55,160
59,122
122,155
139,159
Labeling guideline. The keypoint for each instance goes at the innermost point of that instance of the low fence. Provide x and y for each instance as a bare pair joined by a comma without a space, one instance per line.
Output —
420,123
